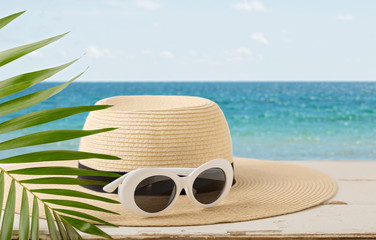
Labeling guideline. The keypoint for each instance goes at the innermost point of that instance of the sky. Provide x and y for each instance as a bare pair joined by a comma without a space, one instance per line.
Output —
211,40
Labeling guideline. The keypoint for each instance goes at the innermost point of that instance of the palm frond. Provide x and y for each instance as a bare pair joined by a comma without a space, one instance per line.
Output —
85,227
12,54
50,136
23,81
34,232
73,193
63,180
45,116
1,191
54,155
26,101
62,171
72,233
83,215
5,20
62,223
76,204
62,230
24,217
8,218
51,224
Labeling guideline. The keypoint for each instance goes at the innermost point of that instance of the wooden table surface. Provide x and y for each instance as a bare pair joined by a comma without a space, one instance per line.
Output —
350,214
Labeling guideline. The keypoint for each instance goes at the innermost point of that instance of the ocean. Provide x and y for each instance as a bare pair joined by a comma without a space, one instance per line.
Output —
267,120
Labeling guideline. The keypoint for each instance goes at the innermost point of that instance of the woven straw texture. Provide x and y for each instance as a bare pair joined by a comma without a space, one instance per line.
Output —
157,131
263,189
175,131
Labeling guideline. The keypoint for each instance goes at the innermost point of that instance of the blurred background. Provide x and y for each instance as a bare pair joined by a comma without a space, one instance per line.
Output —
296,80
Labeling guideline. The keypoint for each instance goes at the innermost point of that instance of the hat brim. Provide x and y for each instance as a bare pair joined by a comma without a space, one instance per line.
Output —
263,189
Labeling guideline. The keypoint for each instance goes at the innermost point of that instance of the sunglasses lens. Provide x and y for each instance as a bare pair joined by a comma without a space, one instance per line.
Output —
209,185
155,193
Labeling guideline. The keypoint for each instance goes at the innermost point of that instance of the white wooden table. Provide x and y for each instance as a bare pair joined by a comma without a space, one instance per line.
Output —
350,214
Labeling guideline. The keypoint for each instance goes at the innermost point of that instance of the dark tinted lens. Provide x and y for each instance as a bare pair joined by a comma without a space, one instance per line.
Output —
209,185
154,194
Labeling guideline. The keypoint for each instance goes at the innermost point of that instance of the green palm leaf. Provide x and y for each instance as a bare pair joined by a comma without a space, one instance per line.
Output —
85,227
72,233
54,155
51,224
4,21
65,225
63,180
31,99
24,217
26,80
70,203
83,215
8,218
12,54
62,171
35,220
74,193
63,232
1,190
45,116
48,137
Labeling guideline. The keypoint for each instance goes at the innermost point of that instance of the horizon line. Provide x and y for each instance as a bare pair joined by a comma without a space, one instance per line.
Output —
210,81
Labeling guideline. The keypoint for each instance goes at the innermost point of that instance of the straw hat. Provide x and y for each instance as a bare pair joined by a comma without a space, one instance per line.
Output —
180,131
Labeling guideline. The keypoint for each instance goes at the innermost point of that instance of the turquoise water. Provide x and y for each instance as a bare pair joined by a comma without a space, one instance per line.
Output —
279,121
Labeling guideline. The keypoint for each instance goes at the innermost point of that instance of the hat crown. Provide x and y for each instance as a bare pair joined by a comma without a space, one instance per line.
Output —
157,131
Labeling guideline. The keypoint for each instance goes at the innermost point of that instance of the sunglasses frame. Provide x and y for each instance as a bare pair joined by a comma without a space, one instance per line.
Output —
129,182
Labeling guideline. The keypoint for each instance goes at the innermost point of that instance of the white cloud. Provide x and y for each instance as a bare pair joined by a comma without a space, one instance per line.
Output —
254,6
260,38
236,54
243,50
206,58
115,3
284,31
167,54
156,25
345,17
94,51
260,57
149,4
146,52
193,53
285,39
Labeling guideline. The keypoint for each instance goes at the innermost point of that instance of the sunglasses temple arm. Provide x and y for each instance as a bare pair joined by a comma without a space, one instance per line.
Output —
114,184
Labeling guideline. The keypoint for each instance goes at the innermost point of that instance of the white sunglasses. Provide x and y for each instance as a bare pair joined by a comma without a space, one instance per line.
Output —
151,191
